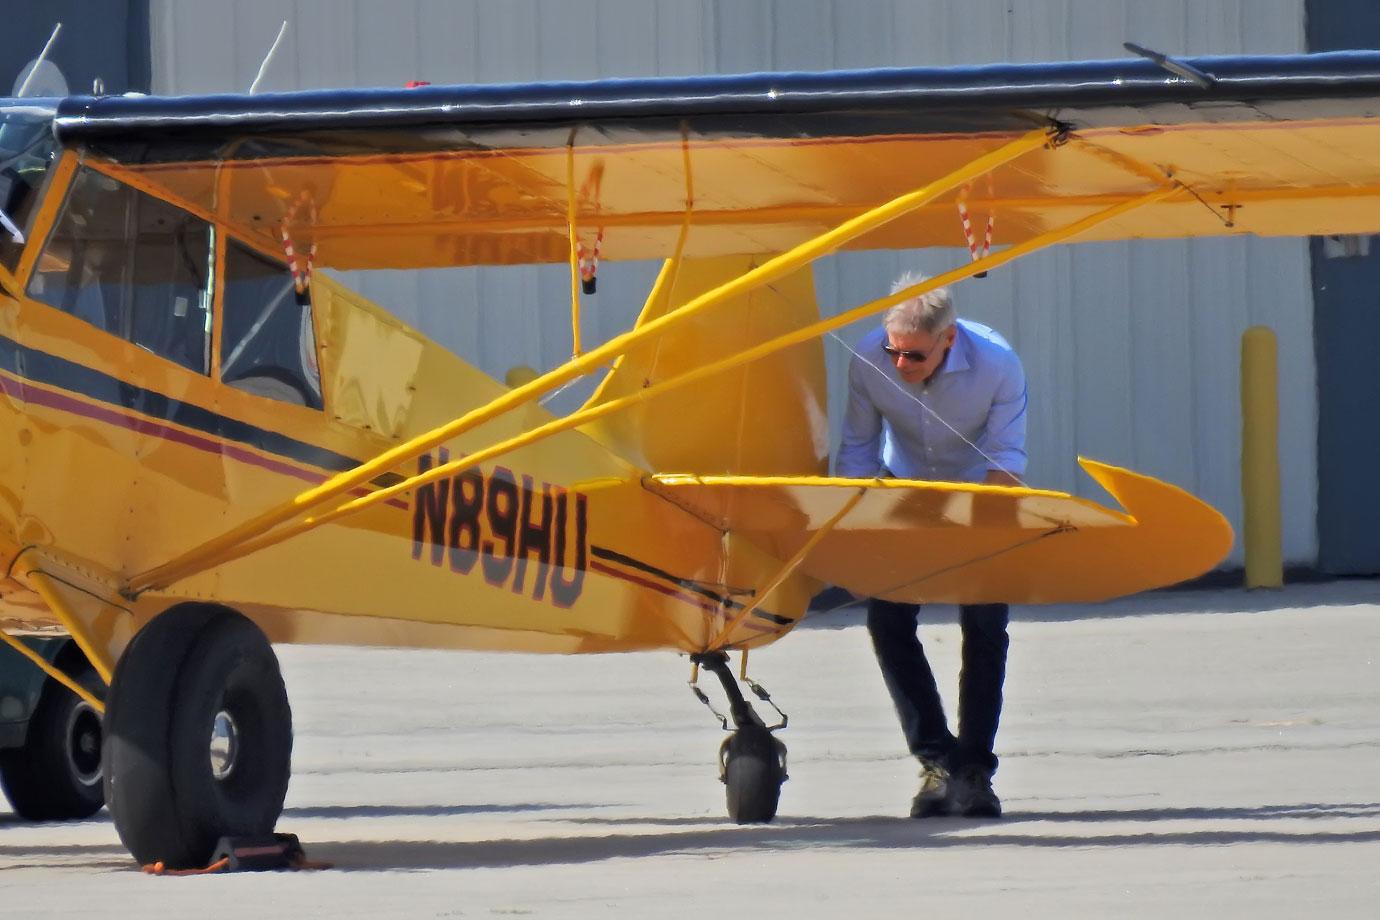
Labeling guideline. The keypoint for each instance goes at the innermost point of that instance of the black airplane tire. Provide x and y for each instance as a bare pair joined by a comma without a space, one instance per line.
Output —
56,775
187,675
753,773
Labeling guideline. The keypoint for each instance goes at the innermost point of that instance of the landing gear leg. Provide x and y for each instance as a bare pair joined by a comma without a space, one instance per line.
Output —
752,761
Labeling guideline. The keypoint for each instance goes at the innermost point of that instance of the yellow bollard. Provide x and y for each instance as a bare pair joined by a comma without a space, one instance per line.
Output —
1260,458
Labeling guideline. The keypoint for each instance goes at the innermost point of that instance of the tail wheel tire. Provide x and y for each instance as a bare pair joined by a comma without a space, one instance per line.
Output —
56,775
754,767
198,736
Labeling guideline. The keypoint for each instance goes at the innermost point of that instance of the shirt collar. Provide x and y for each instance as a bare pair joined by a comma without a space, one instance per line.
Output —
959,352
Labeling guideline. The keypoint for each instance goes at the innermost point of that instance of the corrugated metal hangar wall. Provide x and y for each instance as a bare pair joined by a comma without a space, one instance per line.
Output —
1132,349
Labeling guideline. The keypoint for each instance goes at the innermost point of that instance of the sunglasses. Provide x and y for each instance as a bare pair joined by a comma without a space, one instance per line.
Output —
919,357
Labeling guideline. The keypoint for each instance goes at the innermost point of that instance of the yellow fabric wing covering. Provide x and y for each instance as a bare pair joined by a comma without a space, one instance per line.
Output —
957,543
765,195
496,175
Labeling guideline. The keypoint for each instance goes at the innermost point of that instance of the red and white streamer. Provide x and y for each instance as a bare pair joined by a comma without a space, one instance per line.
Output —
968,231
589,260
301,280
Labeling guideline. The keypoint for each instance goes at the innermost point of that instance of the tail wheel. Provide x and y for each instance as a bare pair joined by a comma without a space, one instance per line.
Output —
198,736
753,764
56,775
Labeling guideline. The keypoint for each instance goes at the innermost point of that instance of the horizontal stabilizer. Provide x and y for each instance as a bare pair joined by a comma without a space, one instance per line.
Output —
920,541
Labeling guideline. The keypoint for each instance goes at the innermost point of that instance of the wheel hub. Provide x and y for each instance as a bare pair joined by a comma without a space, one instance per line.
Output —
225,745
84,744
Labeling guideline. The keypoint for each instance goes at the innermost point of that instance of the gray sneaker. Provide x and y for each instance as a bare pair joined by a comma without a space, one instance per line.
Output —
935,797
972,795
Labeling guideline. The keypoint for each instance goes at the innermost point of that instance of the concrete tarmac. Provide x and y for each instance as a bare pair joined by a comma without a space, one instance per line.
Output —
1204,753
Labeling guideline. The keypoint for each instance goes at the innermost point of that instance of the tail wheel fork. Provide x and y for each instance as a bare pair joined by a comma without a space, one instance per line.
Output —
752,760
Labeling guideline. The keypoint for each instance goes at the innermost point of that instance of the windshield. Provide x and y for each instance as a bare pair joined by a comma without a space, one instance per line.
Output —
27,149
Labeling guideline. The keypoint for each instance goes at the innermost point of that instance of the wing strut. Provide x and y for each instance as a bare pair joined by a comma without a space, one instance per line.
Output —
784,572
53,671
228,550
570,208
252,534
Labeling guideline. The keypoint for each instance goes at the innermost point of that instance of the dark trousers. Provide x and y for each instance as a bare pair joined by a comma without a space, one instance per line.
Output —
911,682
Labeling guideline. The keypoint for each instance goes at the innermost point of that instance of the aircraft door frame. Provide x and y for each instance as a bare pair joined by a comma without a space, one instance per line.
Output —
100,457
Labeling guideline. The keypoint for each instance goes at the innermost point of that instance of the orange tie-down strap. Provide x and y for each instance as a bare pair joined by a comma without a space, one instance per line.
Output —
248,854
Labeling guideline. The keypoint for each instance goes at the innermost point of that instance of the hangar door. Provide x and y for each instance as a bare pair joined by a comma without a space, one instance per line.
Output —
1346,330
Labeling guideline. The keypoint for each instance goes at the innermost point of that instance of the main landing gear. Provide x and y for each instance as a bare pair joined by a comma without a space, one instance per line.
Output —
752,761
198,736
56,774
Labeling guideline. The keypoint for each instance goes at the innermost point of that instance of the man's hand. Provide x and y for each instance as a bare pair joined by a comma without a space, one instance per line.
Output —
1001,478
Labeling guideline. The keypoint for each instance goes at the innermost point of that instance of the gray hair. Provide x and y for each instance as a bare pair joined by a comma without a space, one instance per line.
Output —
930,312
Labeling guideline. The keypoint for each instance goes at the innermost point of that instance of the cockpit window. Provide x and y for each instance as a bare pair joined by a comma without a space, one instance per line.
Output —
268,346
132,265
27,150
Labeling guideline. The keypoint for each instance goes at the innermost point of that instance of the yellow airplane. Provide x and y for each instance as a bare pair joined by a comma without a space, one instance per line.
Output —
215,447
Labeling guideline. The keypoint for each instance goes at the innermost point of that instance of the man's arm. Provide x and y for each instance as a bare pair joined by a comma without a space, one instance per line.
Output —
1003,438
860,449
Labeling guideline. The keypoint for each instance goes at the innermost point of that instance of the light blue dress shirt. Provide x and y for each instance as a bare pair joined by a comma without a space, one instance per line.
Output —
979,390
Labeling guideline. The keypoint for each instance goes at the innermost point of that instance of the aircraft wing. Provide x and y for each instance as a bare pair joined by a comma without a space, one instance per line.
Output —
471,175
919,541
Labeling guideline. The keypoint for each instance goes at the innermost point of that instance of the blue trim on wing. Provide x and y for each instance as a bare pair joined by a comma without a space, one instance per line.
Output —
839,103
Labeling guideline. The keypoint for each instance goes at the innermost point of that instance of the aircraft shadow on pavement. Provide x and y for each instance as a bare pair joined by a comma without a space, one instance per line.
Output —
691,834
424,811
872,832
64,856
1253,812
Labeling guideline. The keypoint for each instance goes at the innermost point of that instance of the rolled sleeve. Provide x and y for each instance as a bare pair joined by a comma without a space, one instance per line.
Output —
1003,437
860,450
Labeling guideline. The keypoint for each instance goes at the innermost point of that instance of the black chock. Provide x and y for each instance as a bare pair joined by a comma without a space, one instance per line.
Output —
259,854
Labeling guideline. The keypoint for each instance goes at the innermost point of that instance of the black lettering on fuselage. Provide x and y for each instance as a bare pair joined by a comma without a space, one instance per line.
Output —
501,510
462,531
506,527
429,510
533,538
566,589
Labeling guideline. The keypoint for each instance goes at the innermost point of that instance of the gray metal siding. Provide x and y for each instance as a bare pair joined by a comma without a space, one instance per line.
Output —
1132,349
